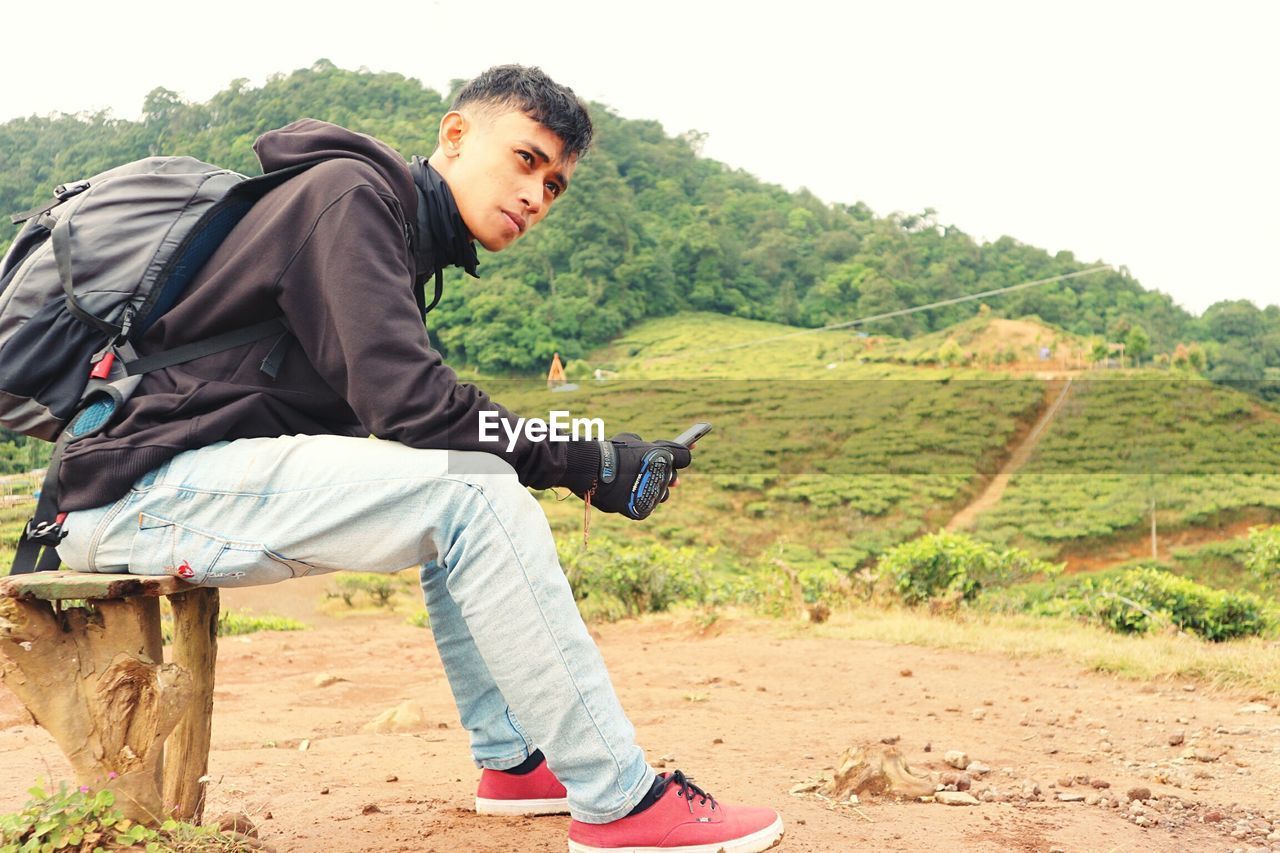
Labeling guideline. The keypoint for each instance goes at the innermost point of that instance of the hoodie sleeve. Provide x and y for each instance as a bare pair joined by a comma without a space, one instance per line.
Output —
346,296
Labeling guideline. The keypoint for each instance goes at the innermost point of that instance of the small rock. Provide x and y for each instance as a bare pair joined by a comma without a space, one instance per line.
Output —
405,717
370,808
905,673
1099,783
393,778
977,768
325,789
326,679
1138,794
1254,708
1071,798
978,713
1214,817
718,740
1206,755
956,781
928,747
957,759
1065,782
1176,738
1092,800
238,822
891,740
1142,820
956,798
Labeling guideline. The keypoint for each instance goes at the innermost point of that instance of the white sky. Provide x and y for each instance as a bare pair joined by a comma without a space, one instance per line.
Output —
1143,134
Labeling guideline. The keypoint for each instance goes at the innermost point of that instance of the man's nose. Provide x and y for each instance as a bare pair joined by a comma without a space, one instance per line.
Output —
531,195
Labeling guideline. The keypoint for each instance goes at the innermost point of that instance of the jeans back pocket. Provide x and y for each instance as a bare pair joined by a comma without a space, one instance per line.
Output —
165,547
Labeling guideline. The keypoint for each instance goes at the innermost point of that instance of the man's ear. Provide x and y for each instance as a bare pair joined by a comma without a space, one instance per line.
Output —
453,128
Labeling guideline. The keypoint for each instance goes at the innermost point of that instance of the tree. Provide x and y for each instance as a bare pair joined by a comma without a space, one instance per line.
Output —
1236,363
1136,343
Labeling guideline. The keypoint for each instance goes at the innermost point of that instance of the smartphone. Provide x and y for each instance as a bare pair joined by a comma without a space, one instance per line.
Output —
693,433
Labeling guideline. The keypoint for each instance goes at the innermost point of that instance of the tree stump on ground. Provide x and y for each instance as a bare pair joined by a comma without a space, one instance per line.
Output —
96,680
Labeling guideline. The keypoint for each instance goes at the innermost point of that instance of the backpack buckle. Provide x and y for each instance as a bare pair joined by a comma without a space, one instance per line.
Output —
66,191
45,532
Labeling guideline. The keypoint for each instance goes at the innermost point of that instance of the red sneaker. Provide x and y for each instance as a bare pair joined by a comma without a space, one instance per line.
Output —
685,819
535,792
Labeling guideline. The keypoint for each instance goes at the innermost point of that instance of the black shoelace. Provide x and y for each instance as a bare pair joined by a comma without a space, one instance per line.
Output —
688,790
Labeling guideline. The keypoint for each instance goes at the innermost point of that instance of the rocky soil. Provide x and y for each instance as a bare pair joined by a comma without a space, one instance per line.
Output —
344,738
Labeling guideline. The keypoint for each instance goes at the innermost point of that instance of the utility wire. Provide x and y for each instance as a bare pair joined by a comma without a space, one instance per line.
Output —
843,325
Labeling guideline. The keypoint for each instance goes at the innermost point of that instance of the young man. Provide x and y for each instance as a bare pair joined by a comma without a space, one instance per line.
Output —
224,476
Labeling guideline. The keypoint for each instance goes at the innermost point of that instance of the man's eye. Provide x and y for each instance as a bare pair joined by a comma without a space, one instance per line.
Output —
555,190
528,158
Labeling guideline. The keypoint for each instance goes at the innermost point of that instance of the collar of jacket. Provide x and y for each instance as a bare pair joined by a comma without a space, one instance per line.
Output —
440,238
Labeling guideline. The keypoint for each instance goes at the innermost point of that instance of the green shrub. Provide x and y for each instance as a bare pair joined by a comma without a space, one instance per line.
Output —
942,564
1139,600
81,819
640,577
1263,556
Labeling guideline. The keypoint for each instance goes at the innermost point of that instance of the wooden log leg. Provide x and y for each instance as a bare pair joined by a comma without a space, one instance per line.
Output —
195,649
94,680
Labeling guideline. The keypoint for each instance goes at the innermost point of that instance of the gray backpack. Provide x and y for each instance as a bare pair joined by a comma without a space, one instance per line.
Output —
87,275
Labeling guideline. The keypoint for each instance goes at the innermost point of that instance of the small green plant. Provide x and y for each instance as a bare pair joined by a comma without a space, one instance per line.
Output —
379,588
421,619
231,624
952,564
80,819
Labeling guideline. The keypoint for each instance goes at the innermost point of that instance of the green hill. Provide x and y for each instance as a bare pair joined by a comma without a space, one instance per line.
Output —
650,229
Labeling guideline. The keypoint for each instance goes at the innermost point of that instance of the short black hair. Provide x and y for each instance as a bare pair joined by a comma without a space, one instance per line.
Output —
536,95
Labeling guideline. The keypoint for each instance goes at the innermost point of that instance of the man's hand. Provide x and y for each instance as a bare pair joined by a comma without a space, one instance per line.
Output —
635,474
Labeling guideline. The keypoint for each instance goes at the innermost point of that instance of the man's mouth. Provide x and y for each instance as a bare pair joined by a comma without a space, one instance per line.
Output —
516,221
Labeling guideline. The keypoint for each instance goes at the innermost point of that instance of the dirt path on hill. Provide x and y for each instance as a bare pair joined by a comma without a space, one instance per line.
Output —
750,708
1056,392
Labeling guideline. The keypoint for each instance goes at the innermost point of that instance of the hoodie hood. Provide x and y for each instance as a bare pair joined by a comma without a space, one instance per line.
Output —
311,139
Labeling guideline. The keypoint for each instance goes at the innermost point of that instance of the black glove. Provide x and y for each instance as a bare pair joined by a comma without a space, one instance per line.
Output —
634,474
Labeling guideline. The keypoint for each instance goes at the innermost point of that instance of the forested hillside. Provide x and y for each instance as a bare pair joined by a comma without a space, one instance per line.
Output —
649,228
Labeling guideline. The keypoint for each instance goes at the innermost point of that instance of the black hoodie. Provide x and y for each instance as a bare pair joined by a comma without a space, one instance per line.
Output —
330,250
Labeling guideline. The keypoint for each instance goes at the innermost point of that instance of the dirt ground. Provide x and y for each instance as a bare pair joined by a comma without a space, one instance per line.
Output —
749,708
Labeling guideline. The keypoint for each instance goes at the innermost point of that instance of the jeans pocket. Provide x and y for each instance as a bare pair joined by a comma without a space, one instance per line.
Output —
164,547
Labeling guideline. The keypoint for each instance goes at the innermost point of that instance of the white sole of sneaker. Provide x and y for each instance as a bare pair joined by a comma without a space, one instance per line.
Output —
522,807
753,843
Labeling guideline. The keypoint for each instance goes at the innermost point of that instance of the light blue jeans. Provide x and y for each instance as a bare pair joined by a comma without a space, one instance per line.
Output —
523,669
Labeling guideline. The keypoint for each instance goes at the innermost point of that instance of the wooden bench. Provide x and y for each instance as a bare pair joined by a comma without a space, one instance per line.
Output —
95,678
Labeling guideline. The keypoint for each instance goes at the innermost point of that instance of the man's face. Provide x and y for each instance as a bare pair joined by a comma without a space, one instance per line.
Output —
504,171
